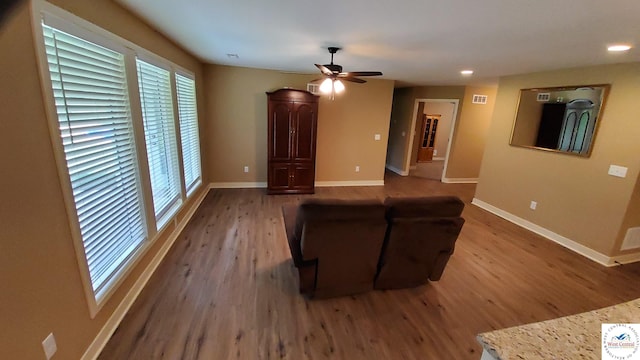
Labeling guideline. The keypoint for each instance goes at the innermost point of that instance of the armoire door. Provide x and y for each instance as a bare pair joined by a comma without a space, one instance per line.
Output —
281,129
279,176
304,131
302,176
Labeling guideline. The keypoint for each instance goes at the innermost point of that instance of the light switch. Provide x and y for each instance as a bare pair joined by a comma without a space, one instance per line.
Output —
619,171
376,137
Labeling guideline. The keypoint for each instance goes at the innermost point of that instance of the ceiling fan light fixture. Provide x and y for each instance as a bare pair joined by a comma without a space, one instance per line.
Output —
326,86
338,86
618,47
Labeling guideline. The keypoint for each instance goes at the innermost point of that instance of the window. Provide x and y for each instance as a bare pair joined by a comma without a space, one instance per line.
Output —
117,142
188,115
92,103
160,137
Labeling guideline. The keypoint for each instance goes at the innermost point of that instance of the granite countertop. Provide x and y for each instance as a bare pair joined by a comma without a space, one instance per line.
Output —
571,337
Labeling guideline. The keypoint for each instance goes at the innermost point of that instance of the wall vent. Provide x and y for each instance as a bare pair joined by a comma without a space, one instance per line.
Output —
479,99
313,88
632,240
544,97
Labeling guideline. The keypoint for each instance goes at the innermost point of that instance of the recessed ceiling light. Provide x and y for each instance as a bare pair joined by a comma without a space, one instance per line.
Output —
466,72
619,47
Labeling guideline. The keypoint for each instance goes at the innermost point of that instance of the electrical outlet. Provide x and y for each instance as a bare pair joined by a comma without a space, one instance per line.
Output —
49,346
533,205
376,137
246,169
404,133
357,168
435,152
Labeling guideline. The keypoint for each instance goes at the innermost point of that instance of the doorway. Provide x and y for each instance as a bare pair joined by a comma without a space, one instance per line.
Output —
427,139
433,125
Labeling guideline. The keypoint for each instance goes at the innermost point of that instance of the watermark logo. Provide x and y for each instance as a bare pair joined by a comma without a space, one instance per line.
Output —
620,342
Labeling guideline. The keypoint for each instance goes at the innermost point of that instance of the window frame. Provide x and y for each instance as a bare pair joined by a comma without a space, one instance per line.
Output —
64,21
196,184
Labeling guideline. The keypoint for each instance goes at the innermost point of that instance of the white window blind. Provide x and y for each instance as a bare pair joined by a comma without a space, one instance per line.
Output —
90,91
160,137
188,116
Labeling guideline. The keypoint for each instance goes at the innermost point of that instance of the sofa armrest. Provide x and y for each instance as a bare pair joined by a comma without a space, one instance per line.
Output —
439,265
289,214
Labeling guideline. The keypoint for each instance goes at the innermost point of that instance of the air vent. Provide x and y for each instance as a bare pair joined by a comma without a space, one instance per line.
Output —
479,99
313,88
632,240
544,97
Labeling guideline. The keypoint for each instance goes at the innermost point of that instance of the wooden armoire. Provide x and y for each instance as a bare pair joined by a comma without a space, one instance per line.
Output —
293,120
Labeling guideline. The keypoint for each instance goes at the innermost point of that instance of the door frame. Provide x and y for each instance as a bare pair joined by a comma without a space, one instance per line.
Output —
412,132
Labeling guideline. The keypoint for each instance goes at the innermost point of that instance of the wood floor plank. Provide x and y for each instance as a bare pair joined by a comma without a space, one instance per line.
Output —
228,289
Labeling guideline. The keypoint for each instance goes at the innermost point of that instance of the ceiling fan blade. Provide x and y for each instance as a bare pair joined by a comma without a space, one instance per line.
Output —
317,80
360,73
324,69
352,79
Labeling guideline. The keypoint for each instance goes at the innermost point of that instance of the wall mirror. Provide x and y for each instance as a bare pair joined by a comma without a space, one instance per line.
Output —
561,119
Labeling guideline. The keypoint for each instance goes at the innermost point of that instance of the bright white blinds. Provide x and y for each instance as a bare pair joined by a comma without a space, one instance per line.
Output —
188,116
90,90
160,137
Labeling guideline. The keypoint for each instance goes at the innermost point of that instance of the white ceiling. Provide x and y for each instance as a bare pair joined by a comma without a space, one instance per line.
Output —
412,41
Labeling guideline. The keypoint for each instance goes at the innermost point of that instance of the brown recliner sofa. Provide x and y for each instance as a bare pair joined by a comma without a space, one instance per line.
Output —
335,244
420,239
343,247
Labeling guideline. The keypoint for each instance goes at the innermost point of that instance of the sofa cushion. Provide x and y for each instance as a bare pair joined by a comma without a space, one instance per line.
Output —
335,209
432,206
336,244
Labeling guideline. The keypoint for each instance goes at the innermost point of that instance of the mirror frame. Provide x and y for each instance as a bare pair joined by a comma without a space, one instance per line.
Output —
605,93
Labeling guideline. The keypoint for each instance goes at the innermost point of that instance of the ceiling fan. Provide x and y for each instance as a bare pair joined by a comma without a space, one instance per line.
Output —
333,74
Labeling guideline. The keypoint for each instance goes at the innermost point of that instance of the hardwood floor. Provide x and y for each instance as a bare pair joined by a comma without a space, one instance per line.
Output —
228,289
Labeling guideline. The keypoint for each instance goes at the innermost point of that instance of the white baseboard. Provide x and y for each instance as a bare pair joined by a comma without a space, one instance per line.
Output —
396,170
350,183
557,238
460,180
626,259
439,158
237,185
99,342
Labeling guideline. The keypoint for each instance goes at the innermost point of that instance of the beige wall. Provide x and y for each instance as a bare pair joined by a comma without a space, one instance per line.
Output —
417,134
631,218
399,129
470,135
472,123
402,116
237,125
41,287
576,198
529,114
444,109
